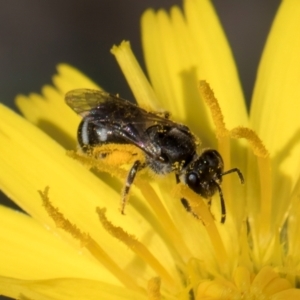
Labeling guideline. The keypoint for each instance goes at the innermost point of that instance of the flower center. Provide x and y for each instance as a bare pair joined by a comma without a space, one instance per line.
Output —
266,285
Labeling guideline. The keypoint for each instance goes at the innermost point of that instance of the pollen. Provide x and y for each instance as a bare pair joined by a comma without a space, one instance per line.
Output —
61,221
131,241
255,142
210,100
113,159
87,242
111,154
117,154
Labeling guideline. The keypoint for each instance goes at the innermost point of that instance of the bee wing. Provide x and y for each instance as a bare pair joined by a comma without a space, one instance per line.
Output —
84,100
116,109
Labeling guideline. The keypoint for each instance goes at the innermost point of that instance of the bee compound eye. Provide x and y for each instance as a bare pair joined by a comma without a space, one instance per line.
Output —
192,180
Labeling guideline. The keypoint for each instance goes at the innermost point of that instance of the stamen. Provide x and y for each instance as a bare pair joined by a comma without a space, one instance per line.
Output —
170,233
255,142
60,220
245,245
86,241
135,246
209,98
153,289
264,165
222,134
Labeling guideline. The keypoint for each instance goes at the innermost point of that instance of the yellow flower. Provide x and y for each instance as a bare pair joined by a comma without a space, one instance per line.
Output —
76,245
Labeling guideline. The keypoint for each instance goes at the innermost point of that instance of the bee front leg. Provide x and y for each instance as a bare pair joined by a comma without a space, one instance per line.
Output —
187,206
185,203
130,178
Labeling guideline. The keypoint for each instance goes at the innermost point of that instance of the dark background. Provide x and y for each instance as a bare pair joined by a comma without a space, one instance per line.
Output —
37,35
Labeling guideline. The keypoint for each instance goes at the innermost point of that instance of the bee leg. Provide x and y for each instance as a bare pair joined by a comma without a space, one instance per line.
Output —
188,208
223,207
130,178
185,203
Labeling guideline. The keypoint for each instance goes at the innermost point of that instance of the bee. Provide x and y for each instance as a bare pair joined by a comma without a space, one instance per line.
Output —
168,146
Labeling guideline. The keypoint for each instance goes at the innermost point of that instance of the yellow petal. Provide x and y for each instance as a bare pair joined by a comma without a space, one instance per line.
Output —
215,60
163,63
50,112
179,52
69,78
276,100
29,251
30,161
64,289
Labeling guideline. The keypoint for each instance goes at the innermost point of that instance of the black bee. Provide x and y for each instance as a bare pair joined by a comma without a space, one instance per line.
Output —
168,146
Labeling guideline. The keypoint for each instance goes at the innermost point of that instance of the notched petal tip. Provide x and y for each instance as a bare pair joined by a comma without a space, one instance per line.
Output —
69,78
135,76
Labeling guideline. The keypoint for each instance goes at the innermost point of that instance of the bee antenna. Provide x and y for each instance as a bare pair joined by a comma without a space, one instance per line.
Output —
235,170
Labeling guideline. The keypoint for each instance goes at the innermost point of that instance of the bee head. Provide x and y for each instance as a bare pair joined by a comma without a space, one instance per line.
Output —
204,173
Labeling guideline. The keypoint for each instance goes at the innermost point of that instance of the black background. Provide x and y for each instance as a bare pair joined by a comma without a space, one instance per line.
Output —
37,35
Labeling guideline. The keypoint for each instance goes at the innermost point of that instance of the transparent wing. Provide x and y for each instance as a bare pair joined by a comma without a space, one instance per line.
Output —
84,100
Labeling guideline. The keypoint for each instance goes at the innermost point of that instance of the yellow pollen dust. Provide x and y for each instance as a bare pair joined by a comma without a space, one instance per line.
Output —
88,242
117,232
111,158
117,154
210,100
61,221
222,133
137,247
255,142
